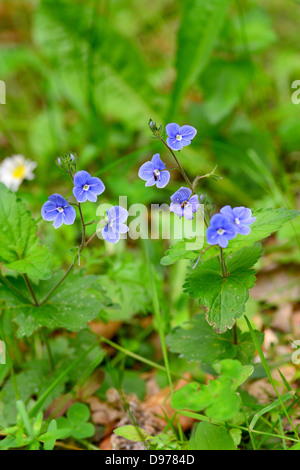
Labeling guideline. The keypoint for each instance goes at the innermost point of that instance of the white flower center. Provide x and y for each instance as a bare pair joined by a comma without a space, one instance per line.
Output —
156,172
237,221
220,231
178,137
60,209
86,187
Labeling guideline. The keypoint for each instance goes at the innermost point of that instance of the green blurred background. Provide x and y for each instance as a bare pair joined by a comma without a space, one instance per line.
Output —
86,76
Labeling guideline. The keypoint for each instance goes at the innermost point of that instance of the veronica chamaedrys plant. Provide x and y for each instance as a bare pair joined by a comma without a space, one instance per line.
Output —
223,272
33,262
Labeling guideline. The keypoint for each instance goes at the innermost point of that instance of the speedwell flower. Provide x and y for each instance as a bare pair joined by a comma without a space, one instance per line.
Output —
179,137
154,172
183,204
220,231
241,217
58,210
87,187
116,216
13,170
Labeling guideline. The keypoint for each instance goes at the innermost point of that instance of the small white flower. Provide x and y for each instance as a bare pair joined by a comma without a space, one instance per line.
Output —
13,170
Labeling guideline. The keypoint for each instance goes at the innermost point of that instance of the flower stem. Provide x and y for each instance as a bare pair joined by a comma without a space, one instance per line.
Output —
30,288
179,165
222,263
235,334
83,244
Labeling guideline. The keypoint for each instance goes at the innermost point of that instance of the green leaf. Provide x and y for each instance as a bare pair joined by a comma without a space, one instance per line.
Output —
199,30
267,222
50,443
218,398
133,433
126,283
72,305
224,298
211,437
78,413
83,431
179,251
20,249
197,341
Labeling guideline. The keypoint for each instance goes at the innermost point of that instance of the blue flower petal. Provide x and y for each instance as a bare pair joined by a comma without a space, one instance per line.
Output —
81,178
146,171
69,215
49,211
181,195
110,235
58,220
80,194
174,144
188,132
172,129
177,209
91,196
157,162
97,186
164,179
58,200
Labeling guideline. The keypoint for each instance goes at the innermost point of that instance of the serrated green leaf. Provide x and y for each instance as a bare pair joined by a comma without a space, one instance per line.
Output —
197,341
73,304
224,298
20,249
179,251
267,222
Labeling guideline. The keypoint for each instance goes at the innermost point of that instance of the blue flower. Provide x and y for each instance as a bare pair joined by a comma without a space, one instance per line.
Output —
241,217
86,187
154,172
59,210
179,137
183,204
116,216
220,230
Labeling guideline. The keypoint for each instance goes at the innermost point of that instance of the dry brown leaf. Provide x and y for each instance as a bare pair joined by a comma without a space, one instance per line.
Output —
108,330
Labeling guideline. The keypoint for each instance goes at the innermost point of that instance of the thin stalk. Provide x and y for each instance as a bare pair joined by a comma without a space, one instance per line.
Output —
179,165
139,358
222,263
224,273
30,288
83,244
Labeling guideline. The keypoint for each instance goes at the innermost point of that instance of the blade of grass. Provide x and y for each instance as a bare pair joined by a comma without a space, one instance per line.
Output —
158,318
268,372
270,407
